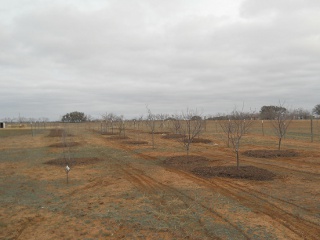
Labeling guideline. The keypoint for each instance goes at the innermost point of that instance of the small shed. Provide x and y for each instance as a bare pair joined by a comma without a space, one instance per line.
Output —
2,125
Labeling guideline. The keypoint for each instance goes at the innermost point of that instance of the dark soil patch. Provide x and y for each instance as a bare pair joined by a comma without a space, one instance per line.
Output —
270,153
118,137
186,162
173,136
201,140
60,145
244,172
57,132
136,142
109,133
73,162
159,132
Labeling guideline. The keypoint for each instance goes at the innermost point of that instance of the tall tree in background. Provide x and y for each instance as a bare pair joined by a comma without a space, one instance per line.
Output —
74,117
316,109
270,112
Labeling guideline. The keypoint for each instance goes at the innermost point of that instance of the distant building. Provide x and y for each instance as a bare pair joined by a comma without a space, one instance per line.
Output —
2,125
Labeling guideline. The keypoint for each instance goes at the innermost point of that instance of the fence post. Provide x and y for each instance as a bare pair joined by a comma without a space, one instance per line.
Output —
311,126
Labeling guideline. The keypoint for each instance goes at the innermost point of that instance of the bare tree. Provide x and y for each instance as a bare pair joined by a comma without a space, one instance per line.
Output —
281,123
109,122
238,124
162,117
175,123
121,125
66,151
151,123
189,127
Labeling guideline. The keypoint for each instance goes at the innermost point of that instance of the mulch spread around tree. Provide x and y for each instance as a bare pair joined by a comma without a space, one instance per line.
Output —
186,162
201,140
198,165
173,136
118,137
109,133
159,132
73,161
133,142
270,153
61,145
57,132
244,172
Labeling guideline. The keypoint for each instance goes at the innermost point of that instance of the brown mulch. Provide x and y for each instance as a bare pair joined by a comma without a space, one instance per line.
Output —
244,172
186,162
135,142
173,136
73,161
159,132
201,140
60,145
109,133
270,153
57,132
118,137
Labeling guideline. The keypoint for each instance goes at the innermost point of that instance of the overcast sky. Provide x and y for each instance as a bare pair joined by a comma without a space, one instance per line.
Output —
118,56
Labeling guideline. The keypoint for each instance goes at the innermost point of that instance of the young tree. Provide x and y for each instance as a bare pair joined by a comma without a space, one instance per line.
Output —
281,123
238,124
174,123
190,126
109,121
66,151
151,123
162,117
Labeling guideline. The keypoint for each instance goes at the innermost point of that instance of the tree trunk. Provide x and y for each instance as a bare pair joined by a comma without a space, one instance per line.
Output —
279,145
238,162
67,178
311,126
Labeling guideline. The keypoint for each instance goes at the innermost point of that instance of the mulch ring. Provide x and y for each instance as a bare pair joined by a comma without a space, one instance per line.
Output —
73,161
173,136
109,133
159,132
244,172
118,137
133,142
201,140
61,145
270,153
57,132
186,162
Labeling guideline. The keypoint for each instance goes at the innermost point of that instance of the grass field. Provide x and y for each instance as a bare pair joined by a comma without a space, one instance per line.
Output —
123,188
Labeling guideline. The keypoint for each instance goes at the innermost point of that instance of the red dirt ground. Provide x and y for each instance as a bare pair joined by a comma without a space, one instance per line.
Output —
133,191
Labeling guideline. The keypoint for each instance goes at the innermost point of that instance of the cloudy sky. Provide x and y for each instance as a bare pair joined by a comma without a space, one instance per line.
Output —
118,56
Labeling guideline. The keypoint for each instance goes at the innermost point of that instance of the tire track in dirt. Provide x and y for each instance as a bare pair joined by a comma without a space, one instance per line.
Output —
281,206
150,185
275,167
98,182
301,227
269,165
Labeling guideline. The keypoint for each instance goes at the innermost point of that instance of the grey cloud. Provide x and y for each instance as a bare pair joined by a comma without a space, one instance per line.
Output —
111,55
